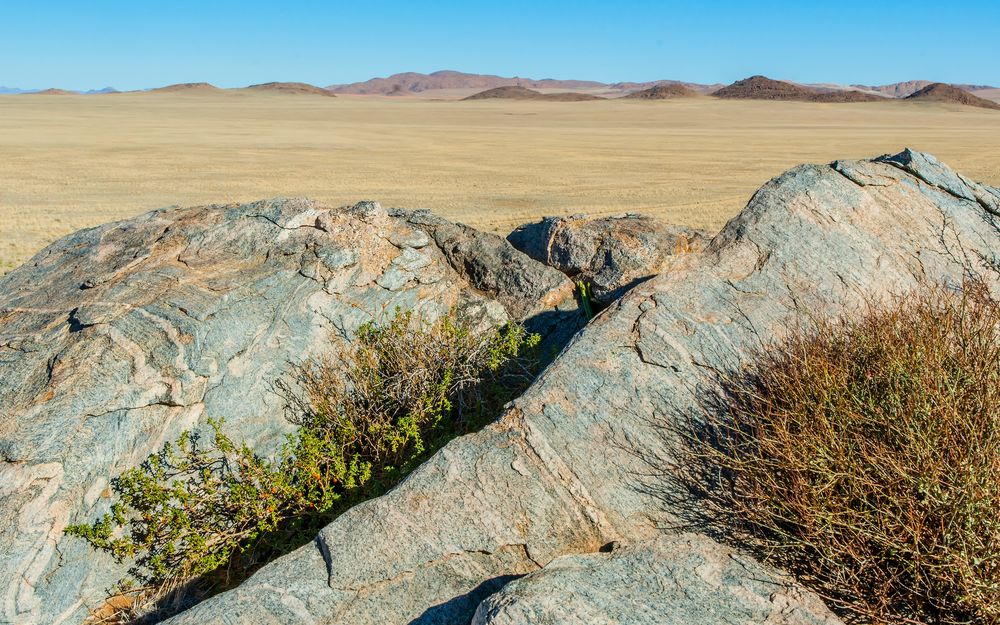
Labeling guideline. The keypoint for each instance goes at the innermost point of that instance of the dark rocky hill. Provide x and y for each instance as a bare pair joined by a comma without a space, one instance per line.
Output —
292,88
187,87
763,88
663,92
941,92
523,93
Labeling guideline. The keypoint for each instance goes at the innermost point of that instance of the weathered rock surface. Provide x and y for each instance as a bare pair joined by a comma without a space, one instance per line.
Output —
524,286
676,578
115,339
556,475
613,254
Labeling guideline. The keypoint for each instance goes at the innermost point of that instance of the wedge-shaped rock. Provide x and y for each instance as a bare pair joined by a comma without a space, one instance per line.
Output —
612,254
557,474
115,339
677,578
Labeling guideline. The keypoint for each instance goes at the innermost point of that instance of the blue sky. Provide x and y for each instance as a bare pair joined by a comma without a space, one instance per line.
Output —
88,44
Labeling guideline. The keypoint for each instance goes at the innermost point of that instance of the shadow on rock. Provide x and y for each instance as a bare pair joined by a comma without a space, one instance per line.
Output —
461,608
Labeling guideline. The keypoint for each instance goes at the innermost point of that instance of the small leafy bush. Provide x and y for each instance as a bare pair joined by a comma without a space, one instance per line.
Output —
205,511
864,455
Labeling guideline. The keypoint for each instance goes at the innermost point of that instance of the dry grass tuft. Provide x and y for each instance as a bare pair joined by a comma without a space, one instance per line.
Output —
864,456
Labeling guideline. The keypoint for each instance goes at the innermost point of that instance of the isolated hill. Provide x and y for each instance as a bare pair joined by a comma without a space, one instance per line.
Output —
101,91
523,93
187,87
847,95
630,87
414,82
663,92
940,92
291,88
54,92
764,88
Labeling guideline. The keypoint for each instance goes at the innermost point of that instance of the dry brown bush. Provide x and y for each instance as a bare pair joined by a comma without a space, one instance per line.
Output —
863,454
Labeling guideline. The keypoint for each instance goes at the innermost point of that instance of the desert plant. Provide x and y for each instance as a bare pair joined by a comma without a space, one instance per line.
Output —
586,298
208,509
863,454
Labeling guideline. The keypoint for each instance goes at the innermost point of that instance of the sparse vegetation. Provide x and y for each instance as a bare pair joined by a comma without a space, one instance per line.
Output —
864,456
586,298
204,512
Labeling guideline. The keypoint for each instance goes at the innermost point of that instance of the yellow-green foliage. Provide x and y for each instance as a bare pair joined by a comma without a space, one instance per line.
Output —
864,454
366,417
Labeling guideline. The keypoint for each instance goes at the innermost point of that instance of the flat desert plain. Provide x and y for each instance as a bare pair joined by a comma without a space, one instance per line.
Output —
68,162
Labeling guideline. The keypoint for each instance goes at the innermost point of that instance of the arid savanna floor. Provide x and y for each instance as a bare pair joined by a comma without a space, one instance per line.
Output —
68,162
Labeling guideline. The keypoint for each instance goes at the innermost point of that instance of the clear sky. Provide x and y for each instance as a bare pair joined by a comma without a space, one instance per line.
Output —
81,44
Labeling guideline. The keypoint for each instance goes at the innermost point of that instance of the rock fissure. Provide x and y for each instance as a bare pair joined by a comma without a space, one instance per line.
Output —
302,225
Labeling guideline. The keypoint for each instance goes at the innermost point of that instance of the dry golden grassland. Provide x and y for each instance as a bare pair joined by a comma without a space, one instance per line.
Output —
67,162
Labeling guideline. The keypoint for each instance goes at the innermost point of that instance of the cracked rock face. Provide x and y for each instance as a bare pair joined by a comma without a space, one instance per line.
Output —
557,474
613,254
115,339
683,578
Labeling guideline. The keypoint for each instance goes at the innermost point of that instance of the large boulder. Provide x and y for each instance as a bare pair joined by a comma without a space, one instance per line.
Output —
557,474
675,578
612,254
115,339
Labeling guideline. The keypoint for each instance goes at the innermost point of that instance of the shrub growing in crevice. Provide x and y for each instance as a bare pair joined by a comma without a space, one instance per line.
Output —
863,454
204,512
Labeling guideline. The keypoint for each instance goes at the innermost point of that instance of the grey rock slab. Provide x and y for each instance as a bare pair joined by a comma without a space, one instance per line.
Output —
558,473
612,254
115,339
681,579
494,266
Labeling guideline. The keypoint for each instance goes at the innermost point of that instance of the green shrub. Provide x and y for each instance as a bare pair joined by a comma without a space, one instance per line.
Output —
208,509
864,455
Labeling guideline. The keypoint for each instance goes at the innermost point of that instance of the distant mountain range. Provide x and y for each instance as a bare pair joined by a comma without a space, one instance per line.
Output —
453,84
9,90
413,83
409,83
